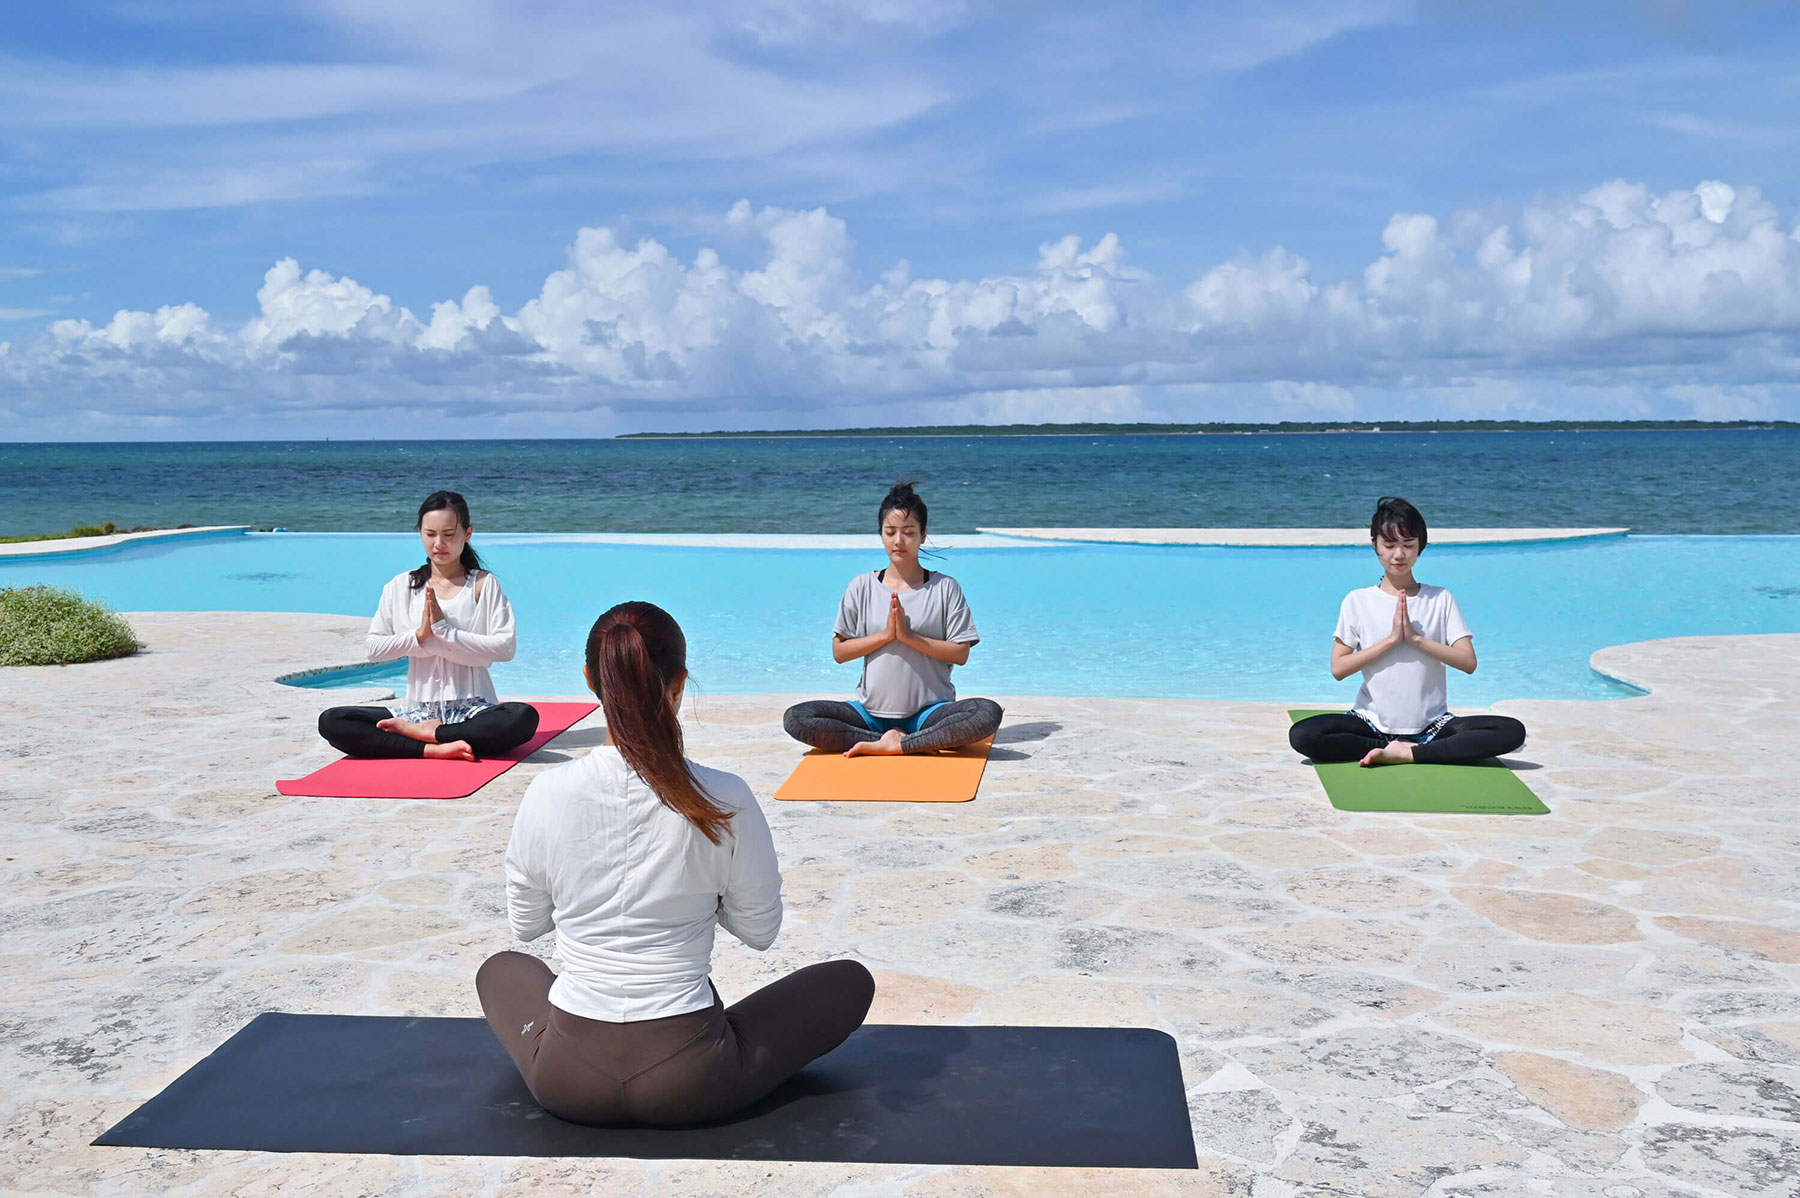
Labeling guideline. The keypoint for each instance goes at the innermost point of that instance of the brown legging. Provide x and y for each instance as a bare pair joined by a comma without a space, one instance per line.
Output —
680,1069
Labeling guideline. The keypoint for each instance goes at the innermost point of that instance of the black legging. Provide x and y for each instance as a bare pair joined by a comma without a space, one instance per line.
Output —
1339,736
494,730
678,1069
835,726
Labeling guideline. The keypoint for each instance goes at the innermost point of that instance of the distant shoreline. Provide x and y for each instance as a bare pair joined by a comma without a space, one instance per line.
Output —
1203,430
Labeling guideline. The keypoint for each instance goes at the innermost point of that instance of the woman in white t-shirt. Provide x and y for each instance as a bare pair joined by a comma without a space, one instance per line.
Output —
634,855
1401,634
909,625
450,620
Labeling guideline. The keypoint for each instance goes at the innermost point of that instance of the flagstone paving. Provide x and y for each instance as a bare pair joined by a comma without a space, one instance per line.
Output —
1598,1002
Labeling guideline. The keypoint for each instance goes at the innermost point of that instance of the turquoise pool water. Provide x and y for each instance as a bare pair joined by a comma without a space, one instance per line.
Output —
1055,619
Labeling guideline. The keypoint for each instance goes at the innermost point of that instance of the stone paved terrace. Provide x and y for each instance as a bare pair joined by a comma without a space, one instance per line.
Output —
1597,1002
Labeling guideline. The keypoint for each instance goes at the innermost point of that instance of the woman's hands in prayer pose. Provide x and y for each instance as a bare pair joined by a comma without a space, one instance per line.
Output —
430,614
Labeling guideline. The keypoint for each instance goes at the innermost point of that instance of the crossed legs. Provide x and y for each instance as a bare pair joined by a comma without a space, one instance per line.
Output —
1343,737
837,727
374,732
674,1070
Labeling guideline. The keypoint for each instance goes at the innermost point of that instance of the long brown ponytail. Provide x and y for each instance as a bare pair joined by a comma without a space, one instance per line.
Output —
634,653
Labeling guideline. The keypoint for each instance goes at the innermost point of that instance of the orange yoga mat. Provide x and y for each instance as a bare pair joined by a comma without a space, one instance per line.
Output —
947,776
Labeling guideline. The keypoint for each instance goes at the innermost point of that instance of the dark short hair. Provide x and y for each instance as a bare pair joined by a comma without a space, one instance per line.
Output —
1395,514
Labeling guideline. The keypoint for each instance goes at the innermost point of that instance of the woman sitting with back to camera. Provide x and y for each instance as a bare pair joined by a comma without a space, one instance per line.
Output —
633,855
909,625
450,620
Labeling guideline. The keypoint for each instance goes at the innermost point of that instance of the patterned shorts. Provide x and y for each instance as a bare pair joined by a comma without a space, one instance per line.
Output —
445,711
1422,737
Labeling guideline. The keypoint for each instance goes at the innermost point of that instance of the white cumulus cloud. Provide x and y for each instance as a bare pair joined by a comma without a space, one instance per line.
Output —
1687,302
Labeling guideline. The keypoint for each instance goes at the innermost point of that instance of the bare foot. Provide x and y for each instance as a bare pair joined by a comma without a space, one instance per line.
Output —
1397,752
425,730
456,750
887,746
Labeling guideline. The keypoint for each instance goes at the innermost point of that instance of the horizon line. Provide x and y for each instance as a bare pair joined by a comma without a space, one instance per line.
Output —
1069,429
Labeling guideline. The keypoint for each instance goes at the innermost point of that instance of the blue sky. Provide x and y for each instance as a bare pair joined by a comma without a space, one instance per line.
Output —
239,221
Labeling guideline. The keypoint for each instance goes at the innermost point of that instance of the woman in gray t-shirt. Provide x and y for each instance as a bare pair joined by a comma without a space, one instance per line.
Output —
910,626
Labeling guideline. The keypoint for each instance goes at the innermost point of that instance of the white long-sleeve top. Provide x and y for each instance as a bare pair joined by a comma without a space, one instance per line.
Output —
634,890
476,631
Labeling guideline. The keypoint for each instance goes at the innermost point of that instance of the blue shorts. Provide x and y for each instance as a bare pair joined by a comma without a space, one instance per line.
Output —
911,723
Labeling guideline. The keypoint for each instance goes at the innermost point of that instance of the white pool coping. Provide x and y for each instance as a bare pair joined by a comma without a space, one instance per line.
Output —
114,540
1294,537
986,538
763,540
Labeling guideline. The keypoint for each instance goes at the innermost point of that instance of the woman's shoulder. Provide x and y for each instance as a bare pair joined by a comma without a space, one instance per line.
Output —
550,791
723,787
602,770
602,767
942,583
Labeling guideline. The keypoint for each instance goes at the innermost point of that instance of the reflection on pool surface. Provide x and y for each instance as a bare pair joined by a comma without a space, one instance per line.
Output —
1055,619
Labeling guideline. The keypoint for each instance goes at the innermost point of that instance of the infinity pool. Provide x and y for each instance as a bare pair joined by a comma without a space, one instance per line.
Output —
1055,618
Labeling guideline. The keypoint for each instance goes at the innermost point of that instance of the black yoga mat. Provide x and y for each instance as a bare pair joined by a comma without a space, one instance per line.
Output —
892,1093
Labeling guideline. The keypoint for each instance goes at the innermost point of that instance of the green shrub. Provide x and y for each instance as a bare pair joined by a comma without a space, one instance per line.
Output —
85,530
44,626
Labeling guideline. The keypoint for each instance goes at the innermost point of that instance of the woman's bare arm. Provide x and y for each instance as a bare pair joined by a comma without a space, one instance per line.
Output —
1461,654
846,648
1346,661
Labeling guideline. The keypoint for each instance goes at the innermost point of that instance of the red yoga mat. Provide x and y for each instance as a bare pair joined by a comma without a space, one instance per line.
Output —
420,778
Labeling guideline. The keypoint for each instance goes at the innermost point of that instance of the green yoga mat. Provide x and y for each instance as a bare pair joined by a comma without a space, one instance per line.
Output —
1488,788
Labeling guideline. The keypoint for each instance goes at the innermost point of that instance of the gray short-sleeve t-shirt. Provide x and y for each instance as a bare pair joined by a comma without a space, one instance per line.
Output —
897,681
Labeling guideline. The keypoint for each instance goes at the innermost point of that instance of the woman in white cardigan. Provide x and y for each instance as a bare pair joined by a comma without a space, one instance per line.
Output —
450,620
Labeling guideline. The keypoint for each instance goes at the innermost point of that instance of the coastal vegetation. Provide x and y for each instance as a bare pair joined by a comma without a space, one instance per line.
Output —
1090,429
45,626
84,530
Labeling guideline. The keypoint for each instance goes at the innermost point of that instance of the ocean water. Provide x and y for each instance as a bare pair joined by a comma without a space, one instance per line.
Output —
1056,619
1725,481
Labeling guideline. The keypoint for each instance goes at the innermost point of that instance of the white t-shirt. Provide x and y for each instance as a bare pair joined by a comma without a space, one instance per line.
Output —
634,890
898,681
1403,689
476,631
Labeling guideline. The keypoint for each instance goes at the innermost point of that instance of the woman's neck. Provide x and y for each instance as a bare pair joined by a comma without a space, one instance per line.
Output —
911,573
455,576
1409,584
